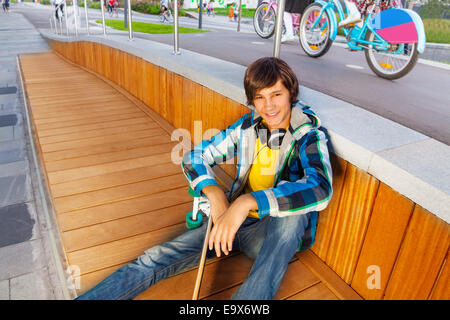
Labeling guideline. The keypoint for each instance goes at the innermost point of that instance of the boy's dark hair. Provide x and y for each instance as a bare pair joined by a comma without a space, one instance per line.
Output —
264,73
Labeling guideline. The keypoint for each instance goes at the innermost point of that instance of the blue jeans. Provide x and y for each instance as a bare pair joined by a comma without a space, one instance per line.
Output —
272,242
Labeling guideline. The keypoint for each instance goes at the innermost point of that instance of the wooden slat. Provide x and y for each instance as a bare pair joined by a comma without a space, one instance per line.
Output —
95,159
116,210
339,288
421,257
441,290
102,149
121,251
96,170
327,217
316,292
91,236
113,179
355,206
119,193
388,223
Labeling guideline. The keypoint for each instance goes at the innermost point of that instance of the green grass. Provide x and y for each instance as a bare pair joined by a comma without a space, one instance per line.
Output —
247,13
437,30
149,27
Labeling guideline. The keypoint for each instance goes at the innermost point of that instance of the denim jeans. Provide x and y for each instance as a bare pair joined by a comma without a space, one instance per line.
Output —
272,242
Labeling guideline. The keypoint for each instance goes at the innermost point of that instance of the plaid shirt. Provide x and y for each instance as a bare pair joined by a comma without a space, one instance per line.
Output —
303,180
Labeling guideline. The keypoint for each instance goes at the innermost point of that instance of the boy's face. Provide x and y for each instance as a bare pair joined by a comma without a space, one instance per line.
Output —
273,104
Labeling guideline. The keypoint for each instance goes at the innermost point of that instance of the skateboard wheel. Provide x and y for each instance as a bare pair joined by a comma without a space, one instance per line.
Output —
192,224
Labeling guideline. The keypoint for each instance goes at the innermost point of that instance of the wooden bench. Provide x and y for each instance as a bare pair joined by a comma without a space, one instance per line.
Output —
115,191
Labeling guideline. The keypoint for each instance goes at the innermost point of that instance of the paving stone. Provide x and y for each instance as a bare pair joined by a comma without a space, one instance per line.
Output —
4,290
8,119
14,168
15,189
16,225
32,286
11,156
21,258
8,90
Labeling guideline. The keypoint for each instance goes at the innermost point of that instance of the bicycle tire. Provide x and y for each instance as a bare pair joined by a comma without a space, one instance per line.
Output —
259,14
381,69
315,43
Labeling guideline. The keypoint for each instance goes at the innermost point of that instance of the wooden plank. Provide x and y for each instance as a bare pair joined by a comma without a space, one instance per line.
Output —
219,274
327,217
98,234
118,193
95,159
100,132
329,278
96,170
117,210
121,251
316,292
441,290
104,148
392,212
421,256
74,123
358,195
95,126
79,143
113,179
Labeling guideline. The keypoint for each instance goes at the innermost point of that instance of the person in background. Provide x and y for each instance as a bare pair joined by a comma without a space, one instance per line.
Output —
292,6
231,12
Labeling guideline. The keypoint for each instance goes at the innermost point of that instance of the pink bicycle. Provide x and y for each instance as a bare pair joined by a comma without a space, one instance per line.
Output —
265,16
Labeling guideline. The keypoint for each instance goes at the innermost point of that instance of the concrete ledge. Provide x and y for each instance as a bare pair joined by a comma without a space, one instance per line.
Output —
411,163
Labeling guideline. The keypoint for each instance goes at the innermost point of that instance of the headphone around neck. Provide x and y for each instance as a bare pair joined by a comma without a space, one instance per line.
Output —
273,138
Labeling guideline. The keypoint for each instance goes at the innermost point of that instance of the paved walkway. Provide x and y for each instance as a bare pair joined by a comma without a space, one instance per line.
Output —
27,269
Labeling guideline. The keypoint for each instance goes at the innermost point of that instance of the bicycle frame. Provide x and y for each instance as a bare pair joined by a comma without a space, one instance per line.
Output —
355,36
273,4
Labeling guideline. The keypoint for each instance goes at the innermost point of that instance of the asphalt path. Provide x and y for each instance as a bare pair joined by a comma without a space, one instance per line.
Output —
420,100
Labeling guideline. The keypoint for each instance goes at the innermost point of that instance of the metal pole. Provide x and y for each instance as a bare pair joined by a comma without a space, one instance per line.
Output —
56,25
75,4
176,51
86,16
125,14
200,14
240,14
65,17
51,24
103,16
278,26
60,24
130,22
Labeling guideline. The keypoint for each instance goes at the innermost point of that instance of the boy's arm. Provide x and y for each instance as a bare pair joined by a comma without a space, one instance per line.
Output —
197,163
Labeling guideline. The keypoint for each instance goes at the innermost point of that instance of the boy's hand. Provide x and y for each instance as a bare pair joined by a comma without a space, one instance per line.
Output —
226,226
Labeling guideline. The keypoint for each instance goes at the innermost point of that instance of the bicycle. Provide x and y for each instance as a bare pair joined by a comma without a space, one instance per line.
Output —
265,16
391,39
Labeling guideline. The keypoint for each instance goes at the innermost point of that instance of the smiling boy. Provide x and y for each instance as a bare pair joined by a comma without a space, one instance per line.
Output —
283,179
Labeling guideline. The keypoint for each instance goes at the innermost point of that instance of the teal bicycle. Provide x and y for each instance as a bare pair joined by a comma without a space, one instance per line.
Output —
391,39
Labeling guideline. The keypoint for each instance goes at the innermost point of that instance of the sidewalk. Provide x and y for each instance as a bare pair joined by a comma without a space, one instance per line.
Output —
27,264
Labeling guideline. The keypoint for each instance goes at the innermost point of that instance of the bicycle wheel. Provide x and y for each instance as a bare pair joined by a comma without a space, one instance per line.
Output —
264,20
162,17
315,42
393,63
169,16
